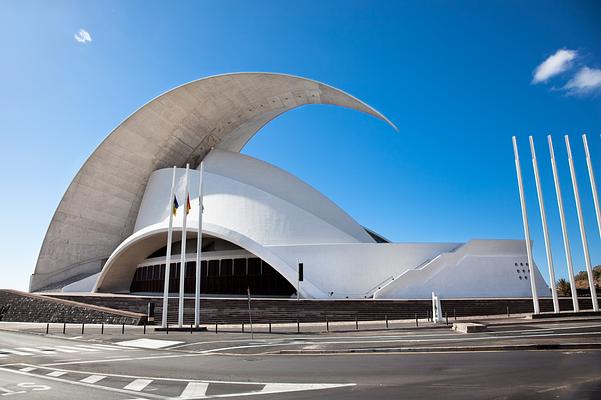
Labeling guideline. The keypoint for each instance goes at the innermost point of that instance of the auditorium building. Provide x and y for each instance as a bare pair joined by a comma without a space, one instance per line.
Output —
109,232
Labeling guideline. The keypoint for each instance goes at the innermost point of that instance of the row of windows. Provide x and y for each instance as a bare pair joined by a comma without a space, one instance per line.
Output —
226,276
211,268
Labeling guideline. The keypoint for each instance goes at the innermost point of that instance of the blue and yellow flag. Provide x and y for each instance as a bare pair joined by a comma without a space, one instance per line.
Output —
175,205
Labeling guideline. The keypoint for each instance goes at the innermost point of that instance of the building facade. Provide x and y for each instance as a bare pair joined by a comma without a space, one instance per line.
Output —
109,232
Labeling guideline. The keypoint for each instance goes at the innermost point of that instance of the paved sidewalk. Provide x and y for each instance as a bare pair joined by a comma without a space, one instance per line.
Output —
516,333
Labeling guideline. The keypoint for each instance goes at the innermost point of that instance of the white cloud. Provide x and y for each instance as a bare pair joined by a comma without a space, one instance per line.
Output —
83,36
555,64
585,81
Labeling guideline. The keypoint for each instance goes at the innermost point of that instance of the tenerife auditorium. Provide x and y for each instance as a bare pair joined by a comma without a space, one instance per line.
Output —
109,232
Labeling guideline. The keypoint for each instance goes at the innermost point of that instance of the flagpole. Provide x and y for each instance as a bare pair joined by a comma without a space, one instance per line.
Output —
564,228
198,251
182,267
168,260
518,170
591,176
543,217
587,255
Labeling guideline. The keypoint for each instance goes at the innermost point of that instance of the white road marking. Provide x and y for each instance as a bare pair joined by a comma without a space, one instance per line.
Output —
297,387
152,378
39,351
108,360
111,347
284,344
402,335
95,347
93,378
64,350
138,384
194,390
88,385
568,385
56,374
149,343
9,392
105,347
77,349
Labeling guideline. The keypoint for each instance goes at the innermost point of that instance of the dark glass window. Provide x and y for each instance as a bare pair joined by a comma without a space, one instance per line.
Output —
213,267
177,271
227,276
190,269
240,267
254,266
227,267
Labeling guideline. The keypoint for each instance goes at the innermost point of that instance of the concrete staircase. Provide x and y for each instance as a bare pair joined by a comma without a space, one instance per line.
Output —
422,273
235,310
264,311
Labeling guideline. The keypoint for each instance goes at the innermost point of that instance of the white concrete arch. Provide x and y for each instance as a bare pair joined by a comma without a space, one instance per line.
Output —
118,272
99,209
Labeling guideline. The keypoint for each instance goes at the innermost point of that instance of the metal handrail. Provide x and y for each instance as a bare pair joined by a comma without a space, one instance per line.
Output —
419,267
380,285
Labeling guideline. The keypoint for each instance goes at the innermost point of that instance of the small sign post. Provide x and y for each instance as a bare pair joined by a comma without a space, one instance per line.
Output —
300,279
250,319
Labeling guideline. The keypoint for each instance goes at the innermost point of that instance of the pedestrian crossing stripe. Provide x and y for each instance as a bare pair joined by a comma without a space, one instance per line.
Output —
137,385
93,378
53,350
194,390
56,374
190,389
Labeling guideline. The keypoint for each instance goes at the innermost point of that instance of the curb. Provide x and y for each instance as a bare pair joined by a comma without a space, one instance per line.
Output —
557,346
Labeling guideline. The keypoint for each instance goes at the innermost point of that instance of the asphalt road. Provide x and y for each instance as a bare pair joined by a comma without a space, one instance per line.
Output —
198,366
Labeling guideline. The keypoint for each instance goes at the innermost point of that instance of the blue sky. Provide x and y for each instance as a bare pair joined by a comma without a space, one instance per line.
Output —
457,78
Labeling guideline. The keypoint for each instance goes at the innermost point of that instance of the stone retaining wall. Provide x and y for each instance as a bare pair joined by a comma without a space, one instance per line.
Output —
26,307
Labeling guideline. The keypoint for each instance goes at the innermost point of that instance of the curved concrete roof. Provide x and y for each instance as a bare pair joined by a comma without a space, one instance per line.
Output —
99,209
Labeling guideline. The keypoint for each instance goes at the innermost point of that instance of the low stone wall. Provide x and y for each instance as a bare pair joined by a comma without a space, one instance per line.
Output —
131,303
25,307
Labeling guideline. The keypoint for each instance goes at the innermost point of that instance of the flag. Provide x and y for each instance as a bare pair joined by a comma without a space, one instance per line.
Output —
175,205
188,206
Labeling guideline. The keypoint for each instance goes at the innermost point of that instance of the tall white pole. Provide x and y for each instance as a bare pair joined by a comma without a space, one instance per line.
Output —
543,216
564,228
168,260
587,256
182,268
591,175
518,170
198,251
